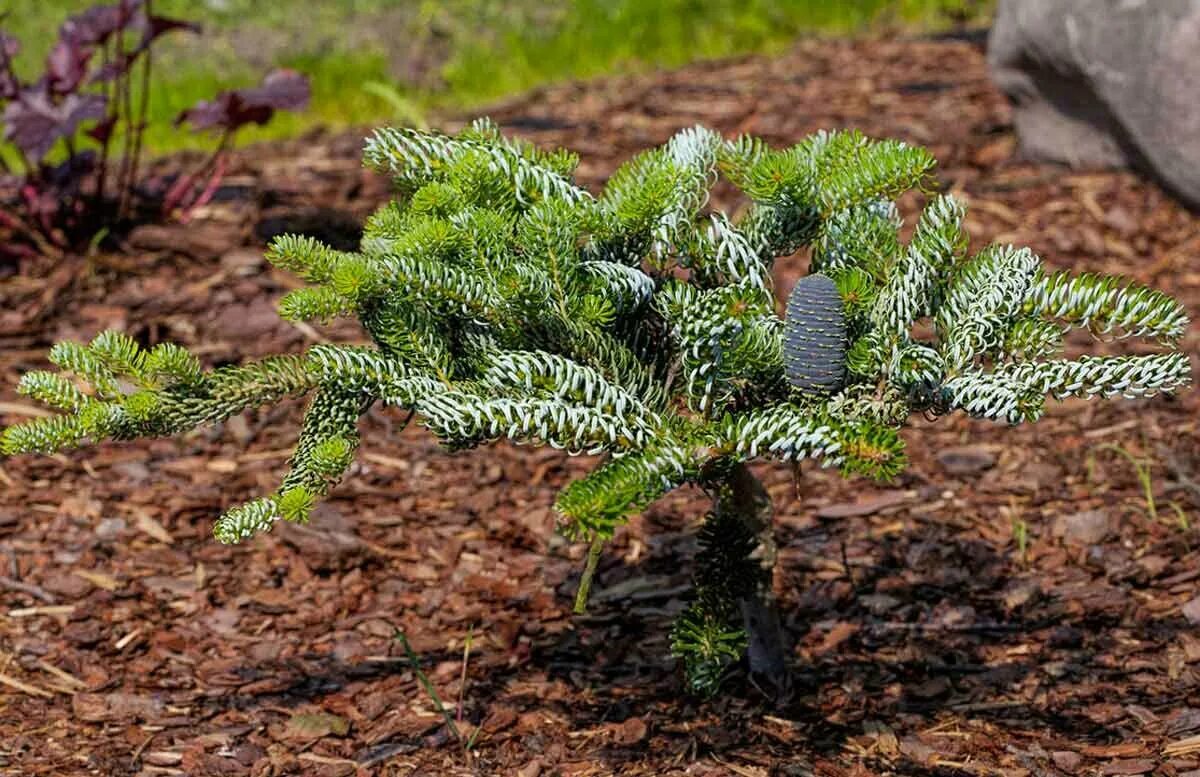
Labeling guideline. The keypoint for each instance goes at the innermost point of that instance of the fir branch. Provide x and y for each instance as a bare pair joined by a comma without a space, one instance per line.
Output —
431,237
52,389
309,258
460,290
539,373
982,301
325,448
598,503
119,353
43,435
613,359
1031,338
862,237
320,303
415,157
708,635
912,282
464,420
233,389
246,520
792,433
631,287
850,170
410,334
994,396
657,195
168,365
363,370
710,327
723,254
1103,376
1107,305
915,364
88,366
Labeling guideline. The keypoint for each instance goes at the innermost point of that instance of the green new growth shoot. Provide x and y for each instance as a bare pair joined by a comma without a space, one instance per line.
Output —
467,744
1020,530
1141,468
504,301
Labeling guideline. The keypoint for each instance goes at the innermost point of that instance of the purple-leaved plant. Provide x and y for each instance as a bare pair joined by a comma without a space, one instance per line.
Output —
76,130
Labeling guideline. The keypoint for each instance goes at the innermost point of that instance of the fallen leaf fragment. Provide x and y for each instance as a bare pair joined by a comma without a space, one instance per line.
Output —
155,529
630,732
314,725
98,579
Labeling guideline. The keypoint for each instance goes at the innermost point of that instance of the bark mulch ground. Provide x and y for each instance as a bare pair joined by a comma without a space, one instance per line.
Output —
1010,606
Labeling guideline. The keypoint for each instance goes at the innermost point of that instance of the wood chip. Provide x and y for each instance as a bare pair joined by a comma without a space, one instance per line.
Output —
32,690
155,529
1185,746
54,609
868,506
744,771
434,542
1114,751
98,579
387,461
320,759
29,588
125,640
1129,767
67,678
29,411
278,453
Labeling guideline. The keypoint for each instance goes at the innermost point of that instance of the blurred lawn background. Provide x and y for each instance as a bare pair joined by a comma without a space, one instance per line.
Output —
374,61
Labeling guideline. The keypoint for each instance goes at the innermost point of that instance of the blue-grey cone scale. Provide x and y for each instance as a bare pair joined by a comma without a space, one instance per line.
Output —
814,336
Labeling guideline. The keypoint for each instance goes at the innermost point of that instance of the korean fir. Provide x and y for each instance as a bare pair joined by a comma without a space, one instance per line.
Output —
504,301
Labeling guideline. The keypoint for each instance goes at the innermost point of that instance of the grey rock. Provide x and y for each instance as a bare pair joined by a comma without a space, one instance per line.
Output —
1105,83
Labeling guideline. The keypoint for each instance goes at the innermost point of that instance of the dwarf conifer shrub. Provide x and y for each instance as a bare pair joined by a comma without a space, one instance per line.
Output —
504,301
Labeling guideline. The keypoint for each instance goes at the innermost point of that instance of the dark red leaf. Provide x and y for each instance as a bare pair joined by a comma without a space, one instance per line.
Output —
9,84
283,90
153,27
110,70
34,121
280,90
103,129
67,65
207,114
98,23
9,46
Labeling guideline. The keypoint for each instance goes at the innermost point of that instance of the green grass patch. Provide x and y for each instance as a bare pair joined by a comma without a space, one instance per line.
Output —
538,44
374,61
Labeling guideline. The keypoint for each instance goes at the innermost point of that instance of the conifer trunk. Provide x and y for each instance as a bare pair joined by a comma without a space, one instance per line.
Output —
748,501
